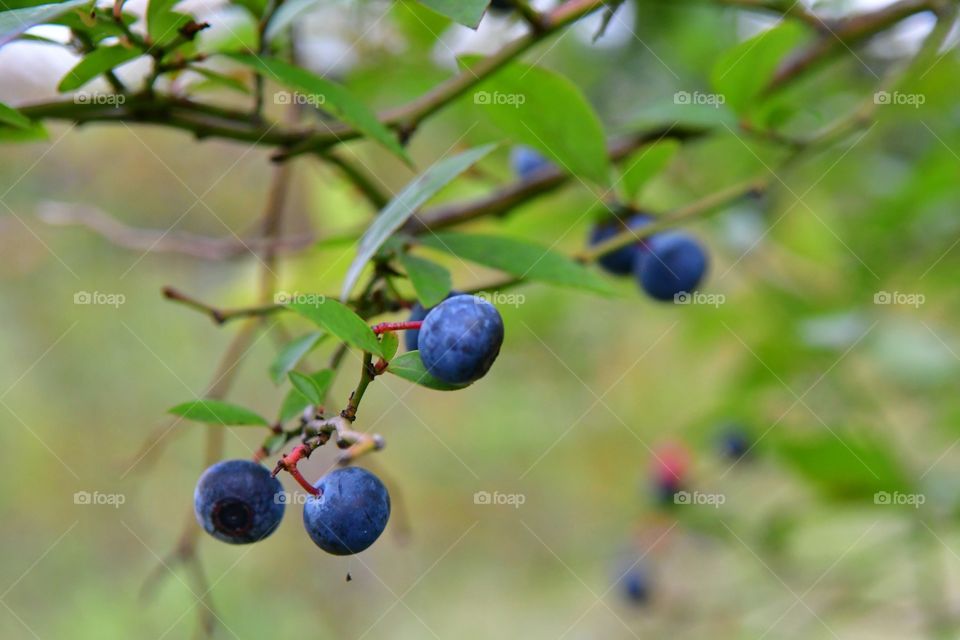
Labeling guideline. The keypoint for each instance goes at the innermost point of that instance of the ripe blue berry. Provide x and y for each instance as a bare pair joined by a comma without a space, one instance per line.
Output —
526,162
417,312
349,514
734,442
635,584
238,501
621,261
674,263
460,339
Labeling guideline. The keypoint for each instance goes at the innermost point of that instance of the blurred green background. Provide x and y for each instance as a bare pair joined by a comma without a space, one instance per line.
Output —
843,394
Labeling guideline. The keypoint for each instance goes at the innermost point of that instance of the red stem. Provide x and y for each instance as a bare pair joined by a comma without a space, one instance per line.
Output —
383,327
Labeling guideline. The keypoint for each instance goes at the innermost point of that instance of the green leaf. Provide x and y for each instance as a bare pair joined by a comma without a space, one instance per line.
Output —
295,402
409,367
645,164
15,22
845,467
339,321
466,12
32,133
390,344
519,258
404,205
217,412
431,282
330,96
744,71
669,114
291,354
548,112
9,115
306,385
96,63
163,23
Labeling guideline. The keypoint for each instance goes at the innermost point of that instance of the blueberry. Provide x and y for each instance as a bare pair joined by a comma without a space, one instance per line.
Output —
417,312
674,263
634,583
238,501
501,5
734,442
621,261
460,339
349,514
527,162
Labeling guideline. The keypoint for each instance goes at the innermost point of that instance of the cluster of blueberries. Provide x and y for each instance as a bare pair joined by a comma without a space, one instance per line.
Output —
240,501
666,265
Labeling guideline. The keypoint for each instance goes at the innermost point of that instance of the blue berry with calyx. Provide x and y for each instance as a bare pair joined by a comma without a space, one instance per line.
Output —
526,162
673,264
460,339
238,501
620,262
417,312
350,512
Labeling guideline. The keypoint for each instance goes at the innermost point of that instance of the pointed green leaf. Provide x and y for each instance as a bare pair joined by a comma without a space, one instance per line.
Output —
9,115
546,111
291,354
307,386
339,321
645,164
163,23
98,62
329,96
466,12
519,258
409,367
217,412
295,402
430,281
390,343
15,22
285,16
405,204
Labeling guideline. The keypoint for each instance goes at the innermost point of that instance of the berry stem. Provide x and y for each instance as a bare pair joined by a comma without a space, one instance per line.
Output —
384,327
309,488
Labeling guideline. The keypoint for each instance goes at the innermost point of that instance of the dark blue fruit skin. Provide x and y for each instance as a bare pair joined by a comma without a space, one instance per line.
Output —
673,263
635,585
734,443
460,339
238,501
526,162
351,512
417,312
619,262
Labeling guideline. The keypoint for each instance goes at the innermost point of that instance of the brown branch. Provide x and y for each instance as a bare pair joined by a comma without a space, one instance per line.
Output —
159,241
